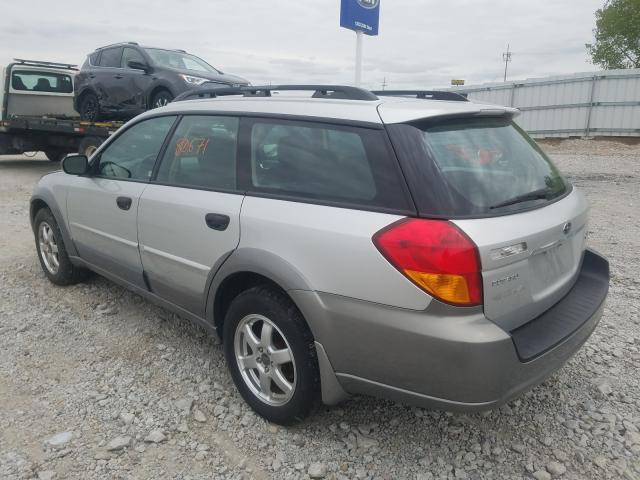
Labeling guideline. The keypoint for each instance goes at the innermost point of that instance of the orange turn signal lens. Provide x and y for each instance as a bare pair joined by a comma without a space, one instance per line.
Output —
447,287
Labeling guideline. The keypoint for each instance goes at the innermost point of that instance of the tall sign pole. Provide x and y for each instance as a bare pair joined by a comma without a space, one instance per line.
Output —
363,17
358,58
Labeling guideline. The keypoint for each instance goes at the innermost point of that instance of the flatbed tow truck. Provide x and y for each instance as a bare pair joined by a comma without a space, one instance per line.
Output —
37,112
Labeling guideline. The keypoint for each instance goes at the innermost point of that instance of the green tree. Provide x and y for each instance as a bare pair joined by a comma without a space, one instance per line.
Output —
617,35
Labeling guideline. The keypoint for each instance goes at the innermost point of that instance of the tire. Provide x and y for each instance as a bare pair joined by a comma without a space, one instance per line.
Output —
53,256
161,98
290,338
88,146
55,155
90,107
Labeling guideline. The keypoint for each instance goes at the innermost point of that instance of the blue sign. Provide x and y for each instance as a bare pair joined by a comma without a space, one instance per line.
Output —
363,15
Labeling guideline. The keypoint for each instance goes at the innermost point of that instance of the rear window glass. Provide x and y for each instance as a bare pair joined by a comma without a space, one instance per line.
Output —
110,57
475,167
325,163
33,81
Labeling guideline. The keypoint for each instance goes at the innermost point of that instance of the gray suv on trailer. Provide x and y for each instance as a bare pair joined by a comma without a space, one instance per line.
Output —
409,245
125,79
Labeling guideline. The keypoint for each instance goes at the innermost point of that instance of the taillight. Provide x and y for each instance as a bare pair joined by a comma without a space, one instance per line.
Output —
435,255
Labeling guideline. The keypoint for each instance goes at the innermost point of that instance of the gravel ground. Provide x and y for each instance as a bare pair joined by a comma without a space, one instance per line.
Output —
95,382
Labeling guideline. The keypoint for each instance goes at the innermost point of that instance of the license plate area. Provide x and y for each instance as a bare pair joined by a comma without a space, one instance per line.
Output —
550,265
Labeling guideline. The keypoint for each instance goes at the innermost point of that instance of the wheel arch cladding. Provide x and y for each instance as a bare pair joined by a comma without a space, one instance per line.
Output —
232,286
244,269
41,201
35,206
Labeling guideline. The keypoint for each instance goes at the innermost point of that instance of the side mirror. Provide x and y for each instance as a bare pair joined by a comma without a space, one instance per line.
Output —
138,65
75,164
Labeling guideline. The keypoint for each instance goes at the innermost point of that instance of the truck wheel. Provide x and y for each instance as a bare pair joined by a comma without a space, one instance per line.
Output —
55,155
89,145
90,107
160,99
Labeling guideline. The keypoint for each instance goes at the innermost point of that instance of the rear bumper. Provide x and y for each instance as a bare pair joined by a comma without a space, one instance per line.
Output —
451,358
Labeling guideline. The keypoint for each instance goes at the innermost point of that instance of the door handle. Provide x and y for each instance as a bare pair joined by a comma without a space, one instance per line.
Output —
217,221
92,75
124,203
117,76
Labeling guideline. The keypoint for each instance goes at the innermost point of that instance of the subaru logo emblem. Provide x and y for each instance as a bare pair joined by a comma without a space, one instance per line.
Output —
368,3
566,228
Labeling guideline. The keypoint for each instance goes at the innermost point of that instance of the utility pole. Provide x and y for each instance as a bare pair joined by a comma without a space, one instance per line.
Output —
506,57
384,83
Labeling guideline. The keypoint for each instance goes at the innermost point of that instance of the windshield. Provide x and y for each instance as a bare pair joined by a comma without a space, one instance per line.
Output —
179,61
478,166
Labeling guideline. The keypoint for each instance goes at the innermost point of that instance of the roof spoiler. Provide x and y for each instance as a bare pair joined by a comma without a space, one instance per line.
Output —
423,94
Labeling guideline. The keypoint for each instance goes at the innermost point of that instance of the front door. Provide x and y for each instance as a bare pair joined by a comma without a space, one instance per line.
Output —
102,208
135,83
189,215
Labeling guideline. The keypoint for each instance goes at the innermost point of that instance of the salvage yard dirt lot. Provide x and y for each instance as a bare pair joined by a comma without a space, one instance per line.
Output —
96,382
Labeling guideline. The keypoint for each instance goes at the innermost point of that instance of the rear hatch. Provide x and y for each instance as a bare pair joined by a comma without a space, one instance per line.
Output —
493,181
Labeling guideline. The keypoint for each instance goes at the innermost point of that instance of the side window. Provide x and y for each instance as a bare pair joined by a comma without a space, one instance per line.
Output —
202,153
131,54
34,81
133,154
93,58
111,57
317,161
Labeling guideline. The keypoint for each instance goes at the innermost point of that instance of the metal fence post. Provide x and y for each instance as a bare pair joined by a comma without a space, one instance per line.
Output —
587,127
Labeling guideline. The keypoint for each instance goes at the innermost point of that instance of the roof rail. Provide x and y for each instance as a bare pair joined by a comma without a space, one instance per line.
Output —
116,45
39,63
424,94
341,92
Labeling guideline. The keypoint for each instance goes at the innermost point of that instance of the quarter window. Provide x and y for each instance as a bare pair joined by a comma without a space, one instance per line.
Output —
202,153
133,154
111,57
325,162
34,81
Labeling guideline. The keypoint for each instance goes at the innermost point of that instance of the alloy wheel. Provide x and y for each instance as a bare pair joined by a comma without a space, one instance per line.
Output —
161,102
48,248
265,360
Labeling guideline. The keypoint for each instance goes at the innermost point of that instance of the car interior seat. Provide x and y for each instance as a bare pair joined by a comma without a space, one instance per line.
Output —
18,84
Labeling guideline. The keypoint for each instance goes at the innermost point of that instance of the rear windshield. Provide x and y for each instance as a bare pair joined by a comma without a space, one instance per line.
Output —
475,167
34,81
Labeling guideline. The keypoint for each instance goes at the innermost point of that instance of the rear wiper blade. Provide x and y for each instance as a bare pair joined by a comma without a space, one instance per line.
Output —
543,193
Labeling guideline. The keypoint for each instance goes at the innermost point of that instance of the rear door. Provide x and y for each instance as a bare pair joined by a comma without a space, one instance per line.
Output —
107,78
102,208
189,216
495,183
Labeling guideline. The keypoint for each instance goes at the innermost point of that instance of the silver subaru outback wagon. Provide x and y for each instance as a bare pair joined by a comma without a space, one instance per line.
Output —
410,245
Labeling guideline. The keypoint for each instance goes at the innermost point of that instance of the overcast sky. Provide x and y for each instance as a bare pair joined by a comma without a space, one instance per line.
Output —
422,43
